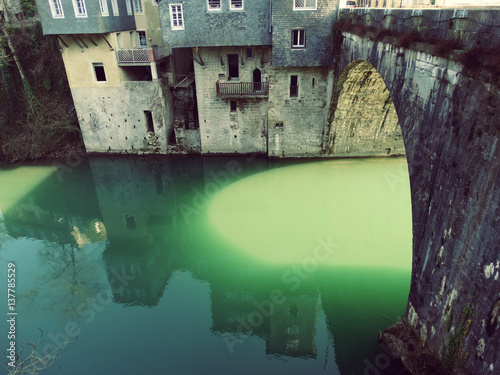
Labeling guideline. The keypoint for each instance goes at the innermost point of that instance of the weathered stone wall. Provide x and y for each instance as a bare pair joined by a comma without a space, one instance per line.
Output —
112,119
225,27
296,124
365,122
317,25
221,130
472,27
449,120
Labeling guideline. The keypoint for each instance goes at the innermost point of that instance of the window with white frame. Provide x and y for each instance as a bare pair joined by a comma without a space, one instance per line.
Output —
56,8
128,4
143,42
304,5
176,18
114,5
137,6
236,5
80,9
214,5
298,38
103,6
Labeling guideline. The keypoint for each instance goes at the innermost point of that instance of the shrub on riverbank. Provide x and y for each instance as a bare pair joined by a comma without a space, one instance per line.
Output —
37,116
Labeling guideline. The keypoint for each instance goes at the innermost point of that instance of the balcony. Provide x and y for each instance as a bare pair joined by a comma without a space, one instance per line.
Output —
142,56
237,89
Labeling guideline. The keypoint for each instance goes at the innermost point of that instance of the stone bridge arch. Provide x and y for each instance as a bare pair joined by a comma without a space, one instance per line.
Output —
450,128
362,120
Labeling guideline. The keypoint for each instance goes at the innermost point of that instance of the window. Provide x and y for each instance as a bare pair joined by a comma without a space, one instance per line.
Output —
233,66
143,42
214,5
176,19
129,7
304,5
249,53
100,74
233,106
294,86
80,10
114,5
56,8
103,6
137,6
298,38
149,121
236,5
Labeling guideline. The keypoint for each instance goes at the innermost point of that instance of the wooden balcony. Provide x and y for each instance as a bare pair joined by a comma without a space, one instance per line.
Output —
238,89
142,56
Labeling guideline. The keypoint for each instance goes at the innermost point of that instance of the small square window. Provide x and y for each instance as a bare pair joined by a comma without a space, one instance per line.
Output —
298,38
100,74
304,5
236,5
214,5
233,105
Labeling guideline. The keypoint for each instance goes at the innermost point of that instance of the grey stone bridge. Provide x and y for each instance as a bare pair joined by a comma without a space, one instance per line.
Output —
449,111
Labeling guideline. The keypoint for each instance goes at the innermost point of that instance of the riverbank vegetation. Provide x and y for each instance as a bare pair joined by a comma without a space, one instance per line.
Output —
37,116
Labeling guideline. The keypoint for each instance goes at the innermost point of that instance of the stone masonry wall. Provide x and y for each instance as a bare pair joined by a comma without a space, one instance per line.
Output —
449,120
296,124
317,24
112,119
223,131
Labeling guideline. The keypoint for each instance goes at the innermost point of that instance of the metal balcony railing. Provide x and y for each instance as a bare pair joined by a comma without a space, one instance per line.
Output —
142,56
242,89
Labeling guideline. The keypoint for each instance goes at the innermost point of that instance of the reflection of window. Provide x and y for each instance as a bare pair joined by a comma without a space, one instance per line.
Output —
137,6
236,5
298,38
294,86
79,6
176,19
233,106
143,42
103,6
304,4
56,8
213,4
100,74
130,222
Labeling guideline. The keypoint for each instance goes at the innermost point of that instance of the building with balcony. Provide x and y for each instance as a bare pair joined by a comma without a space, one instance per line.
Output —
116,64
259,71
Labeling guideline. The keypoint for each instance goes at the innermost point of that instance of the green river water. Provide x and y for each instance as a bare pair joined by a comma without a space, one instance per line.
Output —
206,265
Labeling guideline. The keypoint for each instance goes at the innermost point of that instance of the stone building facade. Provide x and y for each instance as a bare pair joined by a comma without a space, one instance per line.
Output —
209,76
116,66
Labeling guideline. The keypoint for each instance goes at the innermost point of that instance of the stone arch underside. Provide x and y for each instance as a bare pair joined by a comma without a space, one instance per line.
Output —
362,118
449,122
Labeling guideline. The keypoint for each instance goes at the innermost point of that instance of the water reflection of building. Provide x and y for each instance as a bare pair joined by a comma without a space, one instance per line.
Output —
293,327
63,211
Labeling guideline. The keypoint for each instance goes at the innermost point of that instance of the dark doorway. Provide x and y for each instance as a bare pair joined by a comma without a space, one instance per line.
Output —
257,79
232,63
